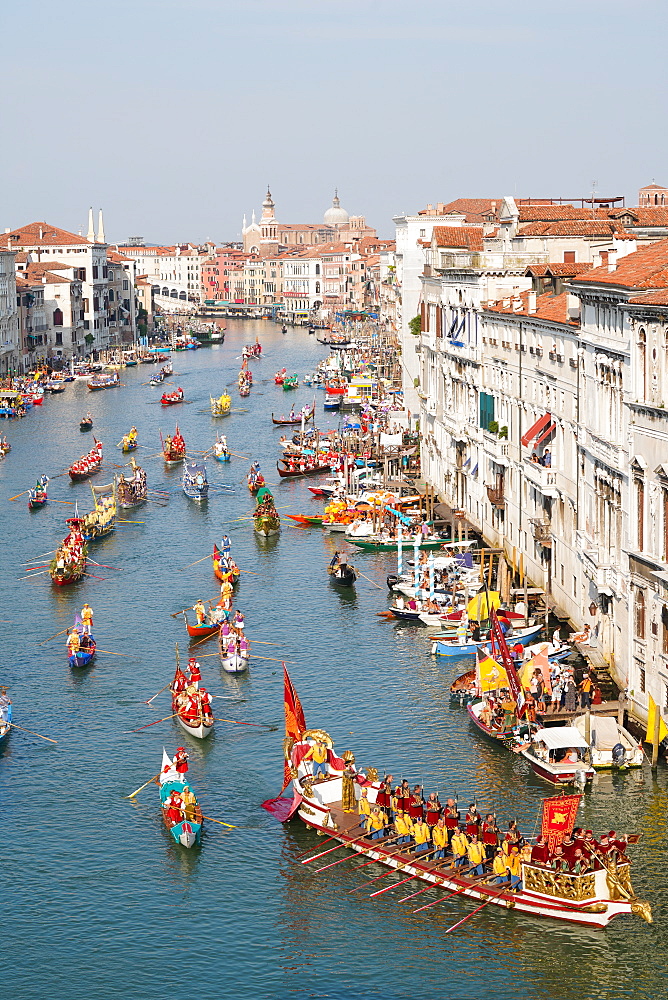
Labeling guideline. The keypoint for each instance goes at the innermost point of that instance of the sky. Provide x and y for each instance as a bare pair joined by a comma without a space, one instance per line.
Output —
174,115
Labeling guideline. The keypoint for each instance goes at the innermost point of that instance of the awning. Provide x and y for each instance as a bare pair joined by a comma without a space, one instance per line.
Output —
536,428
560,738
545,434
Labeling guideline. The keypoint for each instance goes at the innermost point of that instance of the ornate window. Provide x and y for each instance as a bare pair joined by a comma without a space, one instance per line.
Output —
639,613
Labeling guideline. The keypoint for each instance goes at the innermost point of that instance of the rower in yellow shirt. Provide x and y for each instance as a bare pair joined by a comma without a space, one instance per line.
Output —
364,809
499,869
439,836
403,824
459,845
514,866
422,837
476,855
378,822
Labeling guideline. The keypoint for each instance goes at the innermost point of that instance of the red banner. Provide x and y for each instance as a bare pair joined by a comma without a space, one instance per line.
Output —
295,724
559,814
499,641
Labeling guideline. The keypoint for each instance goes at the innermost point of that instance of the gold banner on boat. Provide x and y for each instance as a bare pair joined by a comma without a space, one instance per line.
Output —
560,884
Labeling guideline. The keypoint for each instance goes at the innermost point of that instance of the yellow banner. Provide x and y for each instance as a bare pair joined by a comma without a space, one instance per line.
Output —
478,608
492,675
651,722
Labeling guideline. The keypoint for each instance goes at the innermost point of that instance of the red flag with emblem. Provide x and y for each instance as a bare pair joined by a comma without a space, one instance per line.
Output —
295,724
558,820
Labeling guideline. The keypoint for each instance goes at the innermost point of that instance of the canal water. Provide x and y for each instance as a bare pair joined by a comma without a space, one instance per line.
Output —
98,901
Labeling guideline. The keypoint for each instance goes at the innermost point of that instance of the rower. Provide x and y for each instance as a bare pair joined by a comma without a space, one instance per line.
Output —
174,807
180,760
476,855
422,837
205,701
200,611
194,670
238,619
189,803
73,642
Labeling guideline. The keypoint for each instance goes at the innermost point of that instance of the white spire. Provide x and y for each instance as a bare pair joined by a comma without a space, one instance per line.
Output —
90,236
100,228
253,218
243,225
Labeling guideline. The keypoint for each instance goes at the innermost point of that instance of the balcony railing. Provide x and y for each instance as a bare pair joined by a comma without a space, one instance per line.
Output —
541,529
545,479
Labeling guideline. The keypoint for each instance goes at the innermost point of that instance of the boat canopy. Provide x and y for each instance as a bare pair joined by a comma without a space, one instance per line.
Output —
561,738
604,731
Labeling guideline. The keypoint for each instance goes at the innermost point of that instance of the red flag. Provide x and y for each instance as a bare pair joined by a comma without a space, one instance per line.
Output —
558,818
295,724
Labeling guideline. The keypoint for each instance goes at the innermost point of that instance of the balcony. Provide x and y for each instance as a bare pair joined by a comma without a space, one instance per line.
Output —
496,496
498,448
543,479
541,529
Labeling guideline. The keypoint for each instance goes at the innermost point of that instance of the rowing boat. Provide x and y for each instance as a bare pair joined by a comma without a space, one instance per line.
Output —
447,647
101,521
310,521
221,406
218,572
187,707
174,448
37,497
200,631
591,899
69,563
195,483
132,492
188,830
288,473
88,464
234,653
342,575
85,654
306,414
171,398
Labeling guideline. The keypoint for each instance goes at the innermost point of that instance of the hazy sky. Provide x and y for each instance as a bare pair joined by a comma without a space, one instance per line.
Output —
174,114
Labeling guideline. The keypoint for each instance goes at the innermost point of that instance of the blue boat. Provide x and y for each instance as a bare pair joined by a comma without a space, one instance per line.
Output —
195,483
5,715
188,831
450,647
85,654
332,404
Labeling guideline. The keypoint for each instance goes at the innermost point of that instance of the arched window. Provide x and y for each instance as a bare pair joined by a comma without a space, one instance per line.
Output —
317,268
639,609
317,288
640,502
642,362
57,317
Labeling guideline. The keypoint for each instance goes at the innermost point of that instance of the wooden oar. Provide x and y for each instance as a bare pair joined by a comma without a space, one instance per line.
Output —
260,725
367,578
20,495
274,658
212,820
40,556
49,740
430,886
333,837
469,915
451,894
31,576
109,652
70,502
263,642
167,717
379,892
102,565
126,521
53,637
156,694
209,556
307,861
146,783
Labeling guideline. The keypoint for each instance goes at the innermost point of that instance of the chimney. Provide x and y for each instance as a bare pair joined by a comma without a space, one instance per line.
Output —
41,233
573,307
517,304
100,228
612,260
532,302
90,235
7,229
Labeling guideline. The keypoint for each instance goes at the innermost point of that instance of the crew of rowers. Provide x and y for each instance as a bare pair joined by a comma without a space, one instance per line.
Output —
191,702
69,552
130,439
175,447
101,517
475,845
304,463
255,477
180,804
88,463
133,489
220,448
39,490
81,636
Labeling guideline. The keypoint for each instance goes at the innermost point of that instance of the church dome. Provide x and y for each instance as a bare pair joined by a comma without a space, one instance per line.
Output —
336,216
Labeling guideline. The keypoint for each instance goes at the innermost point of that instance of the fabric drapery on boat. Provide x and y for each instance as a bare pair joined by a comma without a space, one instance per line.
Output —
558,818
536,428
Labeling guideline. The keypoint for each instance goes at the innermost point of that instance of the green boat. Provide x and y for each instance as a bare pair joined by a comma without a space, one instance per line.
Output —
373,545
290,382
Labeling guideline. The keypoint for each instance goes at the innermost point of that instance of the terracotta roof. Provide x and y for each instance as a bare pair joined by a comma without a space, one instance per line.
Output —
652,215
472,209
558,270
116,257
458,236
37,271
40,234
658,298
653,187
537,270
552,308
577,227
645,268
299,227
551,213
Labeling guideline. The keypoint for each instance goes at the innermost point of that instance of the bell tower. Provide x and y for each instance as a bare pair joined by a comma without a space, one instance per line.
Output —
268,224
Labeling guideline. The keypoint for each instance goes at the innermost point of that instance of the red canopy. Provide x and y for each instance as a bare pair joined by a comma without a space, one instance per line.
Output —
536,428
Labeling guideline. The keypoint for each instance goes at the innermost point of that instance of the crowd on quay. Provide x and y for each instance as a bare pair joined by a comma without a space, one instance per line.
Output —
475,845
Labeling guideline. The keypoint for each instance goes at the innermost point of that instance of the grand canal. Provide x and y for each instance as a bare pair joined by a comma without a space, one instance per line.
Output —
99,903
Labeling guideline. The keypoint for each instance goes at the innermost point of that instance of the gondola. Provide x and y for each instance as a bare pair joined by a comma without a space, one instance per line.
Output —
309,521
5,715
218,573
200,631
306,415
374,545
85,655
316,470
233,659
266,521
195,483
171,398
134,491
69,563
86,424
343,575
221,406
188,831
173,448
187,707
37,496
290,382
87,465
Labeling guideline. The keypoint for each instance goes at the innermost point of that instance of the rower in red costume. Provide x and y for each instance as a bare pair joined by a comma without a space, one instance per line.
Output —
432,809
490,835
192,710
174,807
195,674
180,760
416,804
179,682
205,701
540,853
473,820
451,815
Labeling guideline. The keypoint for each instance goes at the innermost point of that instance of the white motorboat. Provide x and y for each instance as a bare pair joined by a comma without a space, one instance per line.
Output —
559,756
610,744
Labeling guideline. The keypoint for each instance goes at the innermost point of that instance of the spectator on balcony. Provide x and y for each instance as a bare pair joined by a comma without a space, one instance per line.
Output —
534,458
547,458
